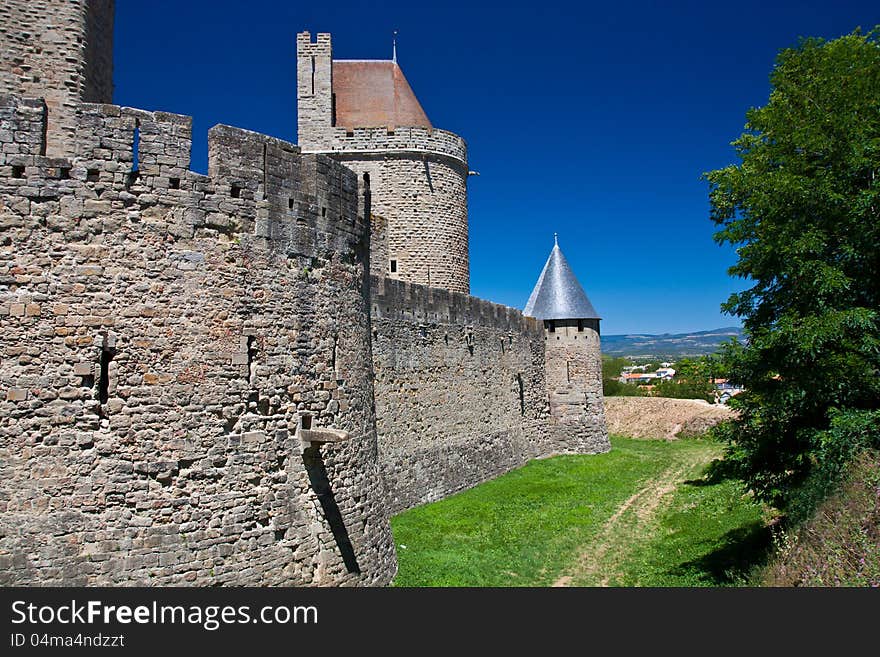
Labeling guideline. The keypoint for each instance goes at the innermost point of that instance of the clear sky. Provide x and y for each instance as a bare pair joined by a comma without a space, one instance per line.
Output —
593,120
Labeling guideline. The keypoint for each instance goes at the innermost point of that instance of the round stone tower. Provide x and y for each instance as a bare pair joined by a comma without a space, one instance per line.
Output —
364,114
572,356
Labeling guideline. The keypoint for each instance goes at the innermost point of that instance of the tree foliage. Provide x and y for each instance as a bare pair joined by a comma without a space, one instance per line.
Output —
802,208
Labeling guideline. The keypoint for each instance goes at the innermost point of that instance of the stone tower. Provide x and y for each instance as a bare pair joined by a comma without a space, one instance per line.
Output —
364,114
572,355
59,51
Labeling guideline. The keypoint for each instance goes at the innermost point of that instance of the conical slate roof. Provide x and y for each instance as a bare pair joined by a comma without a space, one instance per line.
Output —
558,295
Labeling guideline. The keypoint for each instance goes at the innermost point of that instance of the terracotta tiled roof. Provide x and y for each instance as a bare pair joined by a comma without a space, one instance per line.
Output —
373,94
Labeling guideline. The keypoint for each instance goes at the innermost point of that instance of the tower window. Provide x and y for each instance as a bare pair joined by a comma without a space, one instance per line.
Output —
551,326
393,266
235,191
580,326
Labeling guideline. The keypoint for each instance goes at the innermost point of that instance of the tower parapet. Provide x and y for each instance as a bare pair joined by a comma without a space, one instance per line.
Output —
363,113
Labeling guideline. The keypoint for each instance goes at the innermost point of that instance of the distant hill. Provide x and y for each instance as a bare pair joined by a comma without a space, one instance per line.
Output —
668,345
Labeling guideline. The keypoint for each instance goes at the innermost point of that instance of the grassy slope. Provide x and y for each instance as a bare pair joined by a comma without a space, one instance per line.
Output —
582,520
840,545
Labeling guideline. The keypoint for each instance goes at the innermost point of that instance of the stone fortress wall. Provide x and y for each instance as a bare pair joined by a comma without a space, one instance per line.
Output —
459,390
201,382
176,347
418,177
467,390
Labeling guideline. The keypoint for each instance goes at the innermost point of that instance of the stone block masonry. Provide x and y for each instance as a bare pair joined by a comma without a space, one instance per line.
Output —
168,339
418,176
200,383
61,51
461,393
573,367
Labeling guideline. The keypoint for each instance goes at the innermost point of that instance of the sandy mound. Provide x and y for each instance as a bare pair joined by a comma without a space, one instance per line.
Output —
657,417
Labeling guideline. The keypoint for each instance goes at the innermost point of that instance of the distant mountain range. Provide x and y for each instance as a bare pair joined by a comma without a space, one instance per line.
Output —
668,345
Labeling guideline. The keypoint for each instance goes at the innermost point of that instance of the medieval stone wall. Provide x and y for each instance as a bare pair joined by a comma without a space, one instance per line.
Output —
461,393
59,51
459,390
169,341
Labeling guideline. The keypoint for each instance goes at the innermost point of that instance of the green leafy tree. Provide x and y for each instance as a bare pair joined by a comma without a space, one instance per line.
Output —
611,385
612,367
802,209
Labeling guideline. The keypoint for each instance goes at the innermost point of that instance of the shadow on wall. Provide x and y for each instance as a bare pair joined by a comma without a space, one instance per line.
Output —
320,483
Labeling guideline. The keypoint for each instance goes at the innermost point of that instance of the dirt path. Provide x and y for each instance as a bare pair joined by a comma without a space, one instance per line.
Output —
630,524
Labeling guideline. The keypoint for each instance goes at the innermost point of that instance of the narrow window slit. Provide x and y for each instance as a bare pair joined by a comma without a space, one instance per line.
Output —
17,171
136,148
522,402
265,171
235,191
107,354
251,357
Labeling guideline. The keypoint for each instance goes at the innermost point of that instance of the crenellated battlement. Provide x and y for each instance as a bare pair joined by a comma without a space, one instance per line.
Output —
136,158
200,382
169,338
393,299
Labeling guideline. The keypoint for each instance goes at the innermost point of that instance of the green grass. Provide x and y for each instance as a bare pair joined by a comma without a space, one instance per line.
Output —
535,524
708,535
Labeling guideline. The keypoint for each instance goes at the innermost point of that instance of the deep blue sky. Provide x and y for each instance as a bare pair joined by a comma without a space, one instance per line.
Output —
594,120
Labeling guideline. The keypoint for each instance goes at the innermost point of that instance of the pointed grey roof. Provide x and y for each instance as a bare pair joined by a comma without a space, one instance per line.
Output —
558,295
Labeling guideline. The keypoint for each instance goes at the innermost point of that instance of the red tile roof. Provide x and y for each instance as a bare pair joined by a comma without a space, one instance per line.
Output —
374,94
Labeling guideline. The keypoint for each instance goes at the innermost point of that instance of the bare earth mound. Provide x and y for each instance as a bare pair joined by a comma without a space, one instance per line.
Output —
661,418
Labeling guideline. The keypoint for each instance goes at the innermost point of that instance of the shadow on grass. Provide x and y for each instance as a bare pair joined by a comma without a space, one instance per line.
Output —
742,550
717,471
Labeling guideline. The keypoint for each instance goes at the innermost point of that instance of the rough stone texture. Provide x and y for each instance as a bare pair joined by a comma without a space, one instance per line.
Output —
165,334
661,418
59,51
573,368
418,177
461,394
188,365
